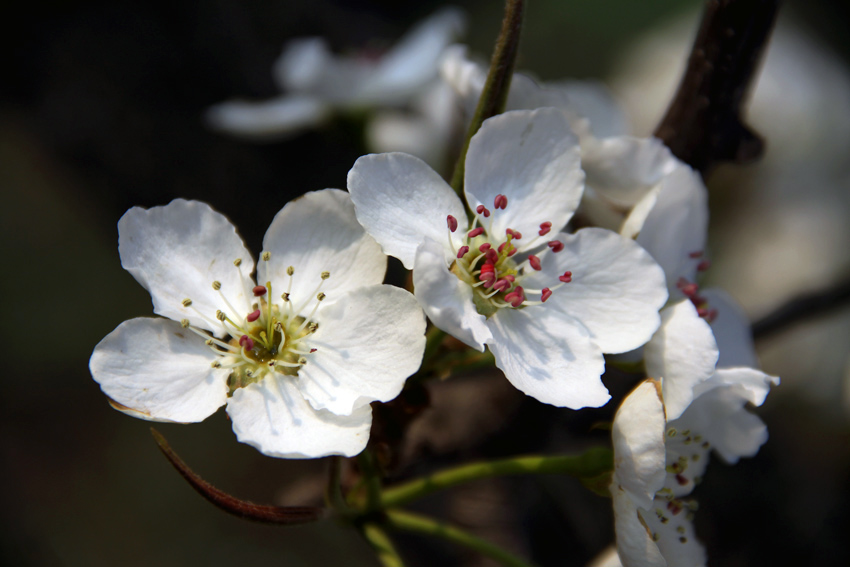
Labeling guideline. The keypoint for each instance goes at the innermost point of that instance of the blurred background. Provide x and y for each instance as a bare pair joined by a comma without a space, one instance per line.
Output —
101,109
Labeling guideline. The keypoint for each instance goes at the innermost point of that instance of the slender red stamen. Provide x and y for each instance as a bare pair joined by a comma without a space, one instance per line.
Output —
475,232
482,210
253,316
567,277
545,227
704,265
260,290
484,247
535,262
546,294
556,245
462,252
500,202
452,222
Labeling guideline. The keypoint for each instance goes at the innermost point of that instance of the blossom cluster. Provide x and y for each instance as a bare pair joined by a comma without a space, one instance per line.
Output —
572,240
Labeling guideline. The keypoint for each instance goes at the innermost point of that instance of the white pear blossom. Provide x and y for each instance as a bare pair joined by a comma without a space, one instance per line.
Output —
297,359
634,186
316,83
657,462
547,304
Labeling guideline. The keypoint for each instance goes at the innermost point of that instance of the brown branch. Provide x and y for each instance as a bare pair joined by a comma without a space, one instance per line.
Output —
803,307
285,515
703,125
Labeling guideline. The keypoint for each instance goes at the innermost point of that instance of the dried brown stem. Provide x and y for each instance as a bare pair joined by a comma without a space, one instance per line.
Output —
703,124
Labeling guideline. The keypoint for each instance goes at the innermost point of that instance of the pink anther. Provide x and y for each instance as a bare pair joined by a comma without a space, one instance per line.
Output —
556,245
484,247
500,202
502,285
312,350
482,210
535,262
567,277
704,265
246,342
545,294
514,233
516,297
509,277
452,222
681,479
253,316
545,227
475,232
702,311
491,255
689,289
697,254
260,290
462,252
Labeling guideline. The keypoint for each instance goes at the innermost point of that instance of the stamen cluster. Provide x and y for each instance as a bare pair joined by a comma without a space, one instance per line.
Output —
691,290
486,261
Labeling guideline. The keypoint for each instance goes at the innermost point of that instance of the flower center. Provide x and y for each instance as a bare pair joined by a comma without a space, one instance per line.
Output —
488,263
271,338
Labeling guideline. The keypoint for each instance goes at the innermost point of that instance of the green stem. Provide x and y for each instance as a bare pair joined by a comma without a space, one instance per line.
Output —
495,92
333,491
592,463
382,545
422,524
372,479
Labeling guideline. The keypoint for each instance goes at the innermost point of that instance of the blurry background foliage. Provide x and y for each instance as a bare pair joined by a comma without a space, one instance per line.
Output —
101,110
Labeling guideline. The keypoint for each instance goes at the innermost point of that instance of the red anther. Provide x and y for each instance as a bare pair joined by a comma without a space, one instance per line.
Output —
502,285
509,277
704,265
512,251
545,227
492,255
556,245
702,311
488,268
312,350
535,262
682,283
546,294
259,290
674,507
567,277
697,254
690,289
712,315
484,247
253,316
680,478
516,297
482,210
475,232
246,342
500,202
462,252
514,233
452,222
502,246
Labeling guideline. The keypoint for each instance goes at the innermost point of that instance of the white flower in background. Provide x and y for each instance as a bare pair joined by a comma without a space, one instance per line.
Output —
297,359
547,304
634,186
657,462
316,82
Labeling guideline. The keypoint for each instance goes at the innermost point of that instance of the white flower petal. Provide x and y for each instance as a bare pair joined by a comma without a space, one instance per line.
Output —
634,540
446,300
624,168
317,233
594,101
676,225
548,356
616,288
367,344
675,538
531,157
273,416
302,64
682,354
275,119
159,371
638,435
177,251
401,201
731,330
719,411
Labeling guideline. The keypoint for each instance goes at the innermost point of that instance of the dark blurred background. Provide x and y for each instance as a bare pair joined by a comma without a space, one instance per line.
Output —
101,110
